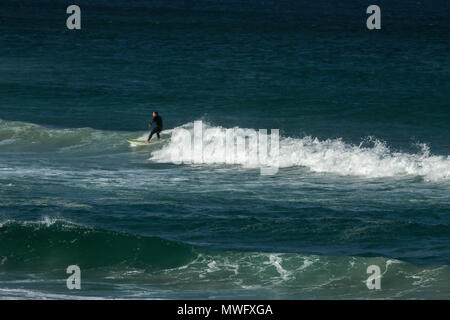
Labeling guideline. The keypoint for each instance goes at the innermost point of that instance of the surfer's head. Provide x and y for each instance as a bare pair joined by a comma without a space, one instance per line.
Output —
155,113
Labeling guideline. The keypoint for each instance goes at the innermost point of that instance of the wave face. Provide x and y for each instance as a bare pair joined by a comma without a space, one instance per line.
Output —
54,244
46,248
18,136
371,159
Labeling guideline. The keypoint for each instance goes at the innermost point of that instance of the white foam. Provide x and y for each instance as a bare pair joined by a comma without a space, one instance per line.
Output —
13,294
372,158
276,261
43,221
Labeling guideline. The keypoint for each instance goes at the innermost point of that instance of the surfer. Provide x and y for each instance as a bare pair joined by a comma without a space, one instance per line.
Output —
157,120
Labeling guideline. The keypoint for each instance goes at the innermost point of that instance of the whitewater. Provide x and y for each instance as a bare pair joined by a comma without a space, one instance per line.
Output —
371,158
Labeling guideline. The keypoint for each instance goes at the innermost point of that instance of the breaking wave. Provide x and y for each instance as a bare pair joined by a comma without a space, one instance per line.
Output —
47,247
371,158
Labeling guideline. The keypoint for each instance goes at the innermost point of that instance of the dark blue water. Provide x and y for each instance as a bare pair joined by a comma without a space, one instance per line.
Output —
364,149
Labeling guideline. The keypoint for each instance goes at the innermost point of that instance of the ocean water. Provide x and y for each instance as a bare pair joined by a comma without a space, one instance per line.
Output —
364,170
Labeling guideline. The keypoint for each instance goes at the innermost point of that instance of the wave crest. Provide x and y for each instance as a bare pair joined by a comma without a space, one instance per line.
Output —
372,158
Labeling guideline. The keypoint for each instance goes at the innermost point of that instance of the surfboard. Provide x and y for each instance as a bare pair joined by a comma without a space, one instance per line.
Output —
137,142
164,136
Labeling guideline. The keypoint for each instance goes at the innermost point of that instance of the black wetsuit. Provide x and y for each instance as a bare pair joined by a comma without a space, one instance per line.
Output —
159,125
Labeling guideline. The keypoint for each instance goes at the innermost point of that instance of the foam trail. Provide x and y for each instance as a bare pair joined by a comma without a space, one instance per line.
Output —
372,159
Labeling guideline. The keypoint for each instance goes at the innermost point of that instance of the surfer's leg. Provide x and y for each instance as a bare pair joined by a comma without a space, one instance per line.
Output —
151,134
157,131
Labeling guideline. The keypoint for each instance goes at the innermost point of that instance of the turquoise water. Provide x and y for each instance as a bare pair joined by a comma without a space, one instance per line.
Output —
364,175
